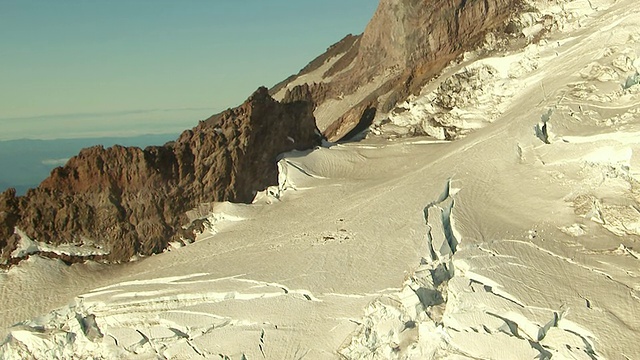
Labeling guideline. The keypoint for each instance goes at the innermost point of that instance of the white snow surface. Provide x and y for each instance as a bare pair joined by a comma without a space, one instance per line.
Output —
479,89
508,243
27,246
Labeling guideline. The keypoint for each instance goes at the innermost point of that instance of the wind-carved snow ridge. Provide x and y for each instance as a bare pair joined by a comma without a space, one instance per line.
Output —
290,177
274,193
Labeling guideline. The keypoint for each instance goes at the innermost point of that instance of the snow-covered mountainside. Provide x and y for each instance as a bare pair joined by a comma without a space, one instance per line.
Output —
511,232
405,44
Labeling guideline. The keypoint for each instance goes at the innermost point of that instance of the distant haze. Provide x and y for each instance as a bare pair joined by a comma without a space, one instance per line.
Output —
26,163
108,124
73,69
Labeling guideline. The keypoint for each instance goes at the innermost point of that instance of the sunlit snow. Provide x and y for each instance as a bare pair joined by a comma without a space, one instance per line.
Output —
497,245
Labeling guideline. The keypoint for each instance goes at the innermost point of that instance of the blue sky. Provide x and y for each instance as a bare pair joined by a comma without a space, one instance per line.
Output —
98,67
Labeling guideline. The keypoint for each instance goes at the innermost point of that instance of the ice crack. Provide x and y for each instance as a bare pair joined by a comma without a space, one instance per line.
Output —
409,323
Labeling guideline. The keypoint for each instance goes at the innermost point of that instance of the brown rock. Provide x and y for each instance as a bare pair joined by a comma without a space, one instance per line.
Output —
8,219
133,201
316,93
354,121
408,42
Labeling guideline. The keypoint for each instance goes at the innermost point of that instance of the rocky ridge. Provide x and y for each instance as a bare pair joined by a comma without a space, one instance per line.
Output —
133,201
404,46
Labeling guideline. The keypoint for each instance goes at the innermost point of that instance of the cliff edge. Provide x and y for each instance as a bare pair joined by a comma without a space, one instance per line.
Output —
133,201
406,43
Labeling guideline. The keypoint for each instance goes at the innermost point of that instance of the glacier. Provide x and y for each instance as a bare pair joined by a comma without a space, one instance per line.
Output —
495,244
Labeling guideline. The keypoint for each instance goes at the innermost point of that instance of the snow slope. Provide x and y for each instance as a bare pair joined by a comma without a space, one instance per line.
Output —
517,241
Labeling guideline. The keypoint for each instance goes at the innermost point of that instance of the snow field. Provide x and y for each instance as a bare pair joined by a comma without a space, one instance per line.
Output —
529,252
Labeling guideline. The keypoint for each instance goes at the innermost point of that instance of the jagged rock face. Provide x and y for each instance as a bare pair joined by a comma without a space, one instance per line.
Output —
413,33
134,200
406,43
317,93
8,217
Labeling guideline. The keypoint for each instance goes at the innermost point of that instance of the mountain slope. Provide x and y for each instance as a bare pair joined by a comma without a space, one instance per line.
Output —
128,201
518,240
125,202
406,43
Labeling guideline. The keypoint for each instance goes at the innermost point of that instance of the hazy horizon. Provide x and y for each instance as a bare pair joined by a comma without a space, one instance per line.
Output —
108,124
29,161
76,69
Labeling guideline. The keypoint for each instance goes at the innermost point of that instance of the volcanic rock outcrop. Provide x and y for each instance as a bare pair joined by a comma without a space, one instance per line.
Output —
406,44
133,201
